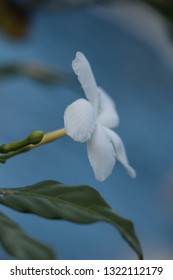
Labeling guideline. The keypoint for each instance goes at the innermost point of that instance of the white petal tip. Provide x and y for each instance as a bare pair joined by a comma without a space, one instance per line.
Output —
132,172
79,64
79,57
101,178
79,54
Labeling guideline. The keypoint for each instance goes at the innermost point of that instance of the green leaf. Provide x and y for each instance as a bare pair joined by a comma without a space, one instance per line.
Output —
35,72
81,204
18,244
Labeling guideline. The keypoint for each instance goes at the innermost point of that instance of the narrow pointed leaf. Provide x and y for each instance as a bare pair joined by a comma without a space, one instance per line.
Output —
18,244
81,204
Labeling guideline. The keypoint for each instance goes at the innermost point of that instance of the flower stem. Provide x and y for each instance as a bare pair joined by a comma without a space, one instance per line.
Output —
50,137
47,138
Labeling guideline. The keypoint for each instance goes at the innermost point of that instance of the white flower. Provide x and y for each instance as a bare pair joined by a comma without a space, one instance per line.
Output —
91,120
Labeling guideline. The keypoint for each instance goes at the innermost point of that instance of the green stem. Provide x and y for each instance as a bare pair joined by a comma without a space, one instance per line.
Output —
47,138
34,138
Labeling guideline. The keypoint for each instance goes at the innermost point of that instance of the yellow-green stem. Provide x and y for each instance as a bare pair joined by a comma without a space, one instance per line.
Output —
50,137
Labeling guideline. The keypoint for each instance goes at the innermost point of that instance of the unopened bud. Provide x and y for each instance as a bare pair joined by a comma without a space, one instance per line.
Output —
35,137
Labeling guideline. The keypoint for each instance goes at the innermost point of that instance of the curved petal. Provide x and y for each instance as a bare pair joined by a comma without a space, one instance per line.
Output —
101,153
86,78
79,120
107,115
120,151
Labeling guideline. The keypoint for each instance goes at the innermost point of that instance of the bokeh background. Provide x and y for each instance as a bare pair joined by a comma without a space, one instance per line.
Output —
129,45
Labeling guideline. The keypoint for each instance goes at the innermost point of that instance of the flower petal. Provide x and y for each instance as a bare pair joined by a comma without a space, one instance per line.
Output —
86,78
79,120
101,153
107,115
120,151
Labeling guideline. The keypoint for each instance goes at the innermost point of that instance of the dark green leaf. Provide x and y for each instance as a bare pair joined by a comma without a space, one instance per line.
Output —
20,245
82,204
14,19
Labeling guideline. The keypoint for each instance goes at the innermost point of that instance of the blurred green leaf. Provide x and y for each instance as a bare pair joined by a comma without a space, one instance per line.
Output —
18,244
81,204
9,70
165,7
14,18
33,71
65,4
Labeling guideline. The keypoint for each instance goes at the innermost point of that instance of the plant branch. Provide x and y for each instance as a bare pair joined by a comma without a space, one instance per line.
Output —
47,138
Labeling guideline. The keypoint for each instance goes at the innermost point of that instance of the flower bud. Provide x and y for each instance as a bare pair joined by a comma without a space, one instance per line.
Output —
35,137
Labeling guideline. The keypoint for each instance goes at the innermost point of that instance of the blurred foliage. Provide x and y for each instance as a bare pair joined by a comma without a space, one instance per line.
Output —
14,18
15,15
165,7
35,72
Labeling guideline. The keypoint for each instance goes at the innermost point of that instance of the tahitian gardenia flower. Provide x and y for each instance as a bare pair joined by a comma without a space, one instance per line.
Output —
91,120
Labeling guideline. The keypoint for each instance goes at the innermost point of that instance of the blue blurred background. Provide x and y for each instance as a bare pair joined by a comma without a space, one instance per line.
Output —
140,80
